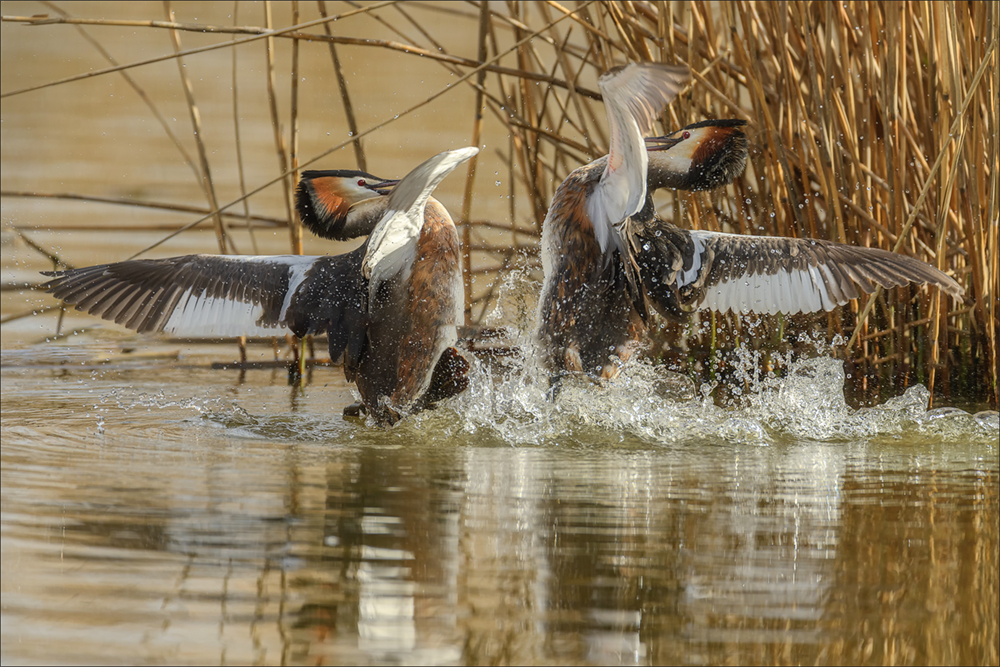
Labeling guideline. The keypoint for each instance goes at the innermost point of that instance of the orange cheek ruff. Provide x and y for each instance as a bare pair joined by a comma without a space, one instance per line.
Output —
712,144
326,201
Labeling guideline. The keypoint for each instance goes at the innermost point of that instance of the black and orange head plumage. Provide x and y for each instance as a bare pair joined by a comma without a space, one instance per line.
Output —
702,156
323,198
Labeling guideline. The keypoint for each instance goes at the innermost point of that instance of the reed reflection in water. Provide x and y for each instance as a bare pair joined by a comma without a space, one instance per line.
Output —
191,531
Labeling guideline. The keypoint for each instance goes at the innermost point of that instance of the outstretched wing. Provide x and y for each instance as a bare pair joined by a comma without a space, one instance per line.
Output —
642,89
702,270
634,95
393,241
218,295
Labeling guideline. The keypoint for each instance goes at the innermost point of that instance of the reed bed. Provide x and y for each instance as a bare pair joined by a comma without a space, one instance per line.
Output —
871,123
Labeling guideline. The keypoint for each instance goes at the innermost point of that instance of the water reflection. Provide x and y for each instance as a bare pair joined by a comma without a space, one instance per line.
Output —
174,537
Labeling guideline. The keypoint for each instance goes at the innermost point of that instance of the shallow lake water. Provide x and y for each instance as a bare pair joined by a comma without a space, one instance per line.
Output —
158,510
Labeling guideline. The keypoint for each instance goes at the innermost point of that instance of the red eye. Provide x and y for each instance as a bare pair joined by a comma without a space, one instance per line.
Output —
687,135
361,182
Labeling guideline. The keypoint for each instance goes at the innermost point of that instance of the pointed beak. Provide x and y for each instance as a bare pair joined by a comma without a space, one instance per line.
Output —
661,143
384,187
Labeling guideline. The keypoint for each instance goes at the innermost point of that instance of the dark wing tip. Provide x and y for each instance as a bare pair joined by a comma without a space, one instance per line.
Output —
613,71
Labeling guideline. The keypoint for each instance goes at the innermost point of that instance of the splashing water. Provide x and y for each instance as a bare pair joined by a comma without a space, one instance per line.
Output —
511,398
509,402
652,404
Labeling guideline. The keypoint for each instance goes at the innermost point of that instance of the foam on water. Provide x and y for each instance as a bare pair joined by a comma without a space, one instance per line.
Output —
509,402
511,398
653,404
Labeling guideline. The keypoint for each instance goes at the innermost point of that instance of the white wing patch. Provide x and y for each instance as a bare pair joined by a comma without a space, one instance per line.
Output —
208,316
787,291
392,245
202,315
634,95
298,275
691,275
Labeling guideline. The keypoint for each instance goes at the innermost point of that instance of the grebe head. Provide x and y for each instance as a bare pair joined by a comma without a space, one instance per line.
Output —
701,156
341,204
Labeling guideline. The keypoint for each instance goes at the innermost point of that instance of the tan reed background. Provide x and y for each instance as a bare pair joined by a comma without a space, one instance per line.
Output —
871,123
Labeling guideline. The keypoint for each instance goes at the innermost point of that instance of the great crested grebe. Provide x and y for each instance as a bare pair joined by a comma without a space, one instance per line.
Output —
341,204
607,258
391,307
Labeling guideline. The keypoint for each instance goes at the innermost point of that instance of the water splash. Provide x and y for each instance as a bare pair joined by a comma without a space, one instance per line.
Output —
127,400
509,402
654,405
509,397
218,412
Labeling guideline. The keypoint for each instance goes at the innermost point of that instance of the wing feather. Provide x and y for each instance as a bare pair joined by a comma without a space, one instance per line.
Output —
634,95
682,270
771,274
213,295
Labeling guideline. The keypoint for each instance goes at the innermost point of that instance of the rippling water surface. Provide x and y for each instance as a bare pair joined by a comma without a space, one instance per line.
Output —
155,510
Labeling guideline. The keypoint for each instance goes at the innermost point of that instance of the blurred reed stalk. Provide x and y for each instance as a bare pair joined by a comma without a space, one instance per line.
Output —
849,104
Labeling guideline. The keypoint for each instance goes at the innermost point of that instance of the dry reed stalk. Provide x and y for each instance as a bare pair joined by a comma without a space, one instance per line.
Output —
470,179
562,61
57,261
180,208
345,96
239,156
29,313
294,149
293,32
205,175
520,44
337,147
845,100
136,87
159,24
937,314
934,169
294,227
